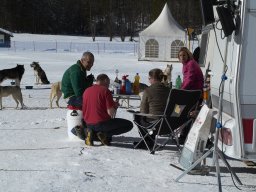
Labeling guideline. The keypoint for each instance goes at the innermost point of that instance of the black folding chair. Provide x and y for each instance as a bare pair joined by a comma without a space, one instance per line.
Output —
174,118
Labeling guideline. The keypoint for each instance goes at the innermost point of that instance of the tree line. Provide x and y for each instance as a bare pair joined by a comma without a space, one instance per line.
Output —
93,17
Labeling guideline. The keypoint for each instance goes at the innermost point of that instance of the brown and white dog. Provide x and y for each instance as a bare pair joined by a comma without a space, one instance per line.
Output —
15,73
15,91
167,79
39,73
55,92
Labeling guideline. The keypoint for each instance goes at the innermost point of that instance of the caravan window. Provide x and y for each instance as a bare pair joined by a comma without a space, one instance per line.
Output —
175,48
152,48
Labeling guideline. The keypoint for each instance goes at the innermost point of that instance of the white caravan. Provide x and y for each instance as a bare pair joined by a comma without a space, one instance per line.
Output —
237,52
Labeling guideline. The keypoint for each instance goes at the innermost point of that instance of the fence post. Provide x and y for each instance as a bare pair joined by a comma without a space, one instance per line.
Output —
34,47
14,45
70,48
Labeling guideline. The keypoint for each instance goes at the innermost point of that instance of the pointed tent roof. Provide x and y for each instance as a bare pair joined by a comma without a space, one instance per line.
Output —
164,25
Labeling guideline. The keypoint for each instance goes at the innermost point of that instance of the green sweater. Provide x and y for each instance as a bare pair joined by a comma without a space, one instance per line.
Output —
74,81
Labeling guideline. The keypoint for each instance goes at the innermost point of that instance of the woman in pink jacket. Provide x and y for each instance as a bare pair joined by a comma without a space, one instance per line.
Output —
193,78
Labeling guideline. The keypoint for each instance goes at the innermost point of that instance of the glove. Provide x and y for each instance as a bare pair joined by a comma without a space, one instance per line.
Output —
90,79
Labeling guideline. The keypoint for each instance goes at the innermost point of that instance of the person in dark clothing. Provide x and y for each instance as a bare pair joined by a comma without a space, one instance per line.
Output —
196,54
153,102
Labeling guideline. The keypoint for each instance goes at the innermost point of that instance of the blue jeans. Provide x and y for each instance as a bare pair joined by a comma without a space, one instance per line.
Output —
75,101
112,127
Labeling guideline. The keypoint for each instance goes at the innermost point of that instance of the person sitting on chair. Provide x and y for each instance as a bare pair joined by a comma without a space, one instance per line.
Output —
153,102
99,111
193,79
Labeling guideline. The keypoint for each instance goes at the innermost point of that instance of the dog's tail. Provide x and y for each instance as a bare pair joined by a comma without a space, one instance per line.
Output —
45,81
1,78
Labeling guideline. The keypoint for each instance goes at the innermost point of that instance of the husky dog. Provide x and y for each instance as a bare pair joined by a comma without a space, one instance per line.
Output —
13,73
15,91
142,87
55,92
39,73
167,79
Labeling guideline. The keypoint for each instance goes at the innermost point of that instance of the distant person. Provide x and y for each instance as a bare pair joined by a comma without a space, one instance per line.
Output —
193,78
196,54
75,80
153,102
99,111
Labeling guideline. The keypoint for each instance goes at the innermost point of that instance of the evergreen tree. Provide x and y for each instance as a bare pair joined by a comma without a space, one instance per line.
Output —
93,17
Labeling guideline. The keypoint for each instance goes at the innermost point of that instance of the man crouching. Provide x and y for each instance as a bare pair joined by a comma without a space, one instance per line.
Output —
99,110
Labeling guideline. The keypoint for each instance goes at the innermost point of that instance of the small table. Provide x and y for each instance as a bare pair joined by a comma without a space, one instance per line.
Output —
126,98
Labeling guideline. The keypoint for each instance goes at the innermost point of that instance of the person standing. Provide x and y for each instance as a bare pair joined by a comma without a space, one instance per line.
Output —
99,111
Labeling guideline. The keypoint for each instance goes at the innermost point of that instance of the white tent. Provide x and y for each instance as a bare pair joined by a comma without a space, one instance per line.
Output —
161,40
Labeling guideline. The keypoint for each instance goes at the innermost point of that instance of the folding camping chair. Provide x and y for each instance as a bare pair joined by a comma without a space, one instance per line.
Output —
175,117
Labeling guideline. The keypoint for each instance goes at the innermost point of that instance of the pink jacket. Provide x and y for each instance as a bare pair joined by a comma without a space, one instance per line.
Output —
192,76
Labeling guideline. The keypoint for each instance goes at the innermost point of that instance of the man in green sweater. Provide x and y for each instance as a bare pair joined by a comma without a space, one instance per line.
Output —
75,80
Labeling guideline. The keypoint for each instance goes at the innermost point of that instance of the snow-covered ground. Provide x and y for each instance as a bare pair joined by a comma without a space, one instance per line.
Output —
37,155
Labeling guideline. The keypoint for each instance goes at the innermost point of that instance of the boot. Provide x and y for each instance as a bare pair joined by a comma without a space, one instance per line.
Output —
89,138
79,132
103,138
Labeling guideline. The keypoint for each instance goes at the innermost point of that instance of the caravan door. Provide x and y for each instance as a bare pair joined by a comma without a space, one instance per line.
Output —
246,88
